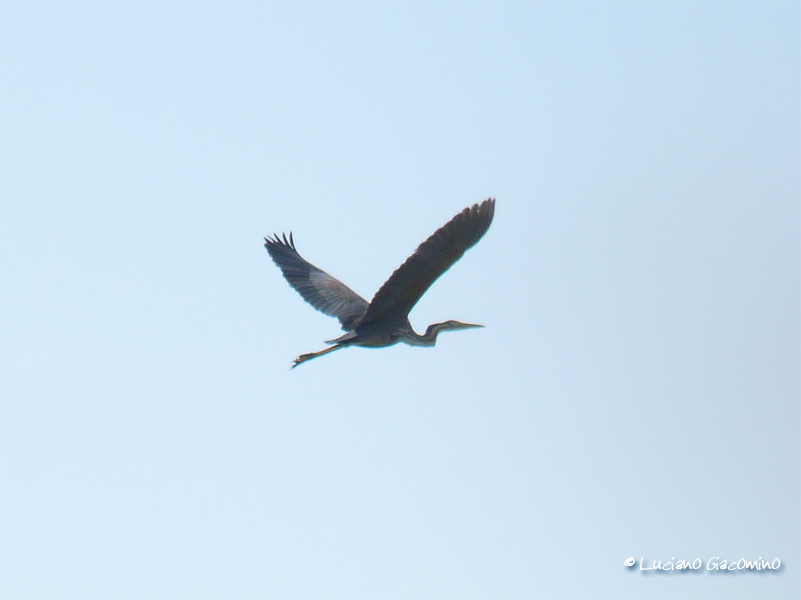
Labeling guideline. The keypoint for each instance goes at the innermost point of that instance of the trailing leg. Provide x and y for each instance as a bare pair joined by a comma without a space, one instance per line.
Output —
304,357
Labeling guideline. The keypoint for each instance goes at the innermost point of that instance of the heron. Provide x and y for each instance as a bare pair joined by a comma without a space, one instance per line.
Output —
385,320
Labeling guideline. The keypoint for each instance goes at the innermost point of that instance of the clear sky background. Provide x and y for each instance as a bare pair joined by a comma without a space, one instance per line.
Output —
634,394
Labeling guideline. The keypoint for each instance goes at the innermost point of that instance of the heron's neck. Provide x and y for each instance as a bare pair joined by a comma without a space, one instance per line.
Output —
429,338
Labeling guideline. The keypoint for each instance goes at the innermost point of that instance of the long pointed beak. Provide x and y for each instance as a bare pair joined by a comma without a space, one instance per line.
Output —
470,325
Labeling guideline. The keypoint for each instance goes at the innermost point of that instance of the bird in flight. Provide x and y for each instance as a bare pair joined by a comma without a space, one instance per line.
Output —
384,321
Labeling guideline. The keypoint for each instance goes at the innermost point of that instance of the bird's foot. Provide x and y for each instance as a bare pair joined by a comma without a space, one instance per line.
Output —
302,358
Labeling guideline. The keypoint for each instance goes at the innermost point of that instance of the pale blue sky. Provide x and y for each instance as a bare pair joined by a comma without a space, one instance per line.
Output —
635,391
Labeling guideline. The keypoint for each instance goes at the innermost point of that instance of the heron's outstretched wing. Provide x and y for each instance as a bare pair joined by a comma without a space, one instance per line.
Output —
318,288
431,259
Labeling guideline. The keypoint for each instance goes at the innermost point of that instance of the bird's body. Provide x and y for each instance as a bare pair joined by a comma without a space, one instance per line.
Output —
385,320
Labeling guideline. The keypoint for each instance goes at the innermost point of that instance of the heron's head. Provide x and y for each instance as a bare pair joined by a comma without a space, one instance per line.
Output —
436,328
457,325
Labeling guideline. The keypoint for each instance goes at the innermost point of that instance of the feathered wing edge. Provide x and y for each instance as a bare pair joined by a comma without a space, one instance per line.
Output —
325,293
431,259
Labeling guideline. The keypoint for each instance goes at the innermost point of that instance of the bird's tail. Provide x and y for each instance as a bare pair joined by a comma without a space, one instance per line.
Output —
343,339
